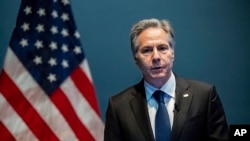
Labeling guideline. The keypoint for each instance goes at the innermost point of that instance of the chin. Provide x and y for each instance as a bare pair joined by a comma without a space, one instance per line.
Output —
159,76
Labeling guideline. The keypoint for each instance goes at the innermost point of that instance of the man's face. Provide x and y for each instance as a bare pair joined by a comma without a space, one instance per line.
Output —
154,56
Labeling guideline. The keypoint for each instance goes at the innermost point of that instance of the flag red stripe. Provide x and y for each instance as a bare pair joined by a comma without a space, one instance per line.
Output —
5,134
25,109
85,87
64,106
83,109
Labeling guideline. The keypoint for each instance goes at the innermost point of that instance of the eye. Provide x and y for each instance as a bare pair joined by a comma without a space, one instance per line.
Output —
146,50
163,47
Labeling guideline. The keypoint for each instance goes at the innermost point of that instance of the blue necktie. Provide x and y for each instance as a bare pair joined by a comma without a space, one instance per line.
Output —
162,122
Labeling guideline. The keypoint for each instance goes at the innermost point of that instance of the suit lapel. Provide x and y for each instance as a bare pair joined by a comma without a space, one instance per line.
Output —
139,107
183,102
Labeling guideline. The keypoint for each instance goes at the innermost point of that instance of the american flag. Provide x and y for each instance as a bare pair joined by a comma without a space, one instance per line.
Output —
46,89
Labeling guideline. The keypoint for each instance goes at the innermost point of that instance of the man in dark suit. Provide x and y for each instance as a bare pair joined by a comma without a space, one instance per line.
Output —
162,101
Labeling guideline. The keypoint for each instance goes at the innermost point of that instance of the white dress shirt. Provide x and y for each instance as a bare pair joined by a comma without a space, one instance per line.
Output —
168,88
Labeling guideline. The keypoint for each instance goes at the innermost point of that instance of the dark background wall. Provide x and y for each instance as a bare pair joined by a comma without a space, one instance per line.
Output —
212,44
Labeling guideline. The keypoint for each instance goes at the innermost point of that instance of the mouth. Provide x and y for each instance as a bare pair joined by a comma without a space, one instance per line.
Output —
157,69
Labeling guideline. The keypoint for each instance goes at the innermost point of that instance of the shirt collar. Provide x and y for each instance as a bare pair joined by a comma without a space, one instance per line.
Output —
168,87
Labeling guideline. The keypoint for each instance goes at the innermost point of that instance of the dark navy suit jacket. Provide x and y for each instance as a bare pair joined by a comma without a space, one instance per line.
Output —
198,116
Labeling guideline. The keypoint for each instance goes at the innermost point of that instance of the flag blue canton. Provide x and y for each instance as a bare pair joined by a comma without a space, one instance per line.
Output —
46,41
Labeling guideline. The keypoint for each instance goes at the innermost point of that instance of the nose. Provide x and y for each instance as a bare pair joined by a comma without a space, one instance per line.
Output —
155,56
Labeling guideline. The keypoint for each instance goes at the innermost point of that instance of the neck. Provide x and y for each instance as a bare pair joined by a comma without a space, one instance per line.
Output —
158,82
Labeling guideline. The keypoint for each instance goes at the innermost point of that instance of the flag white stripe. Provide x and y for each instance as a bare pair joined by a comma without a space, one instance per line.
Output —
37,97
11,121
82,108
85,67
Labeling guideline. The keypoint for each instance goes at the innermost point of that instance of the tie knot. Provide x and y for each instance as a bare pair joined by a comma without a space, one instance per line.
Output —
159,96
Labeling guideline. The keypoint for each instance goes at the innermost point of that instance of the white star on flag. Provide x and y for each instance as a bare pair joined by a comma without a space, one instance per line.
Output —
53,45
65,64
54,14
65,17
39,44
38,60
77,50
77,34
27,10
24,42
64,32
52,62
40,28
52,77
41,12
65,48
65,2
54,30
25,27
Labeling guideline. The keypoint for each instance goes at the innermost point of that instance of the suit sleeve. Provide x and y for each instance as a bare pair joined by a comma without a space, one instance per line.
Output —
112,130
217,128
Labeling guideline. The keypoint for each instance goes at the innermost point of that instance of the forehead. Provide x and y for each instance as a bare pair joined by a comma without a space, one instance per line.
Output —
150,34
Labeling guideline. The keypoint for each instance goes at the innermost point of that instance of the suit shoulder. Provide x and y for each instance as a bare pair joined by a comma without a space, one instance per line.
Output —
200,87
194,84
200,83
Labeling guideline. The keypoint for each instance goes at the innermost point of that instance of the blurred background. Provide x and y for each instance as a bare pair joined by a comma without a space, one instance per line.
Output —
212,44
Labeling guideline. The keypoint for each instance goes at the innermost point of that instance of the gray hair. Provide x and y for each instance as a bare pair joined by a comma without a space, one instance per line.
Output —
147,23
